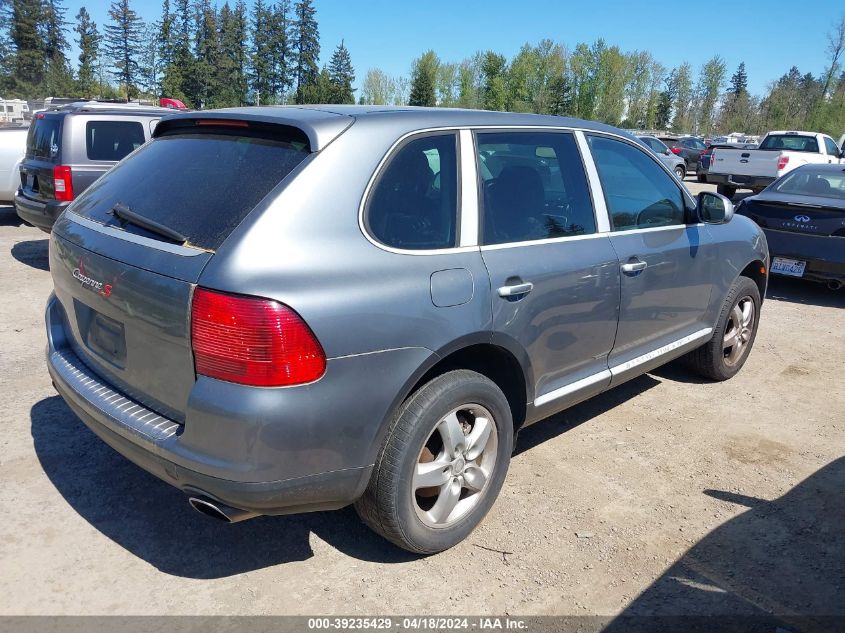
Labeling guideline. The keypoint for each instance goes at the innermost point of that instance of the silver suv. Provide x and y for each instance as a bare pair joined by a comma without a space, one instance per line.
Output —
69,147
287,309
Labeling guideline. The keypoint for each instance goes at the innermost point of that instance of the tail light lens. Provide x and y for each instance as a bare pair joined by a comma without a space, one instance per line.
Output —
252,341
782,162
62,183
676,150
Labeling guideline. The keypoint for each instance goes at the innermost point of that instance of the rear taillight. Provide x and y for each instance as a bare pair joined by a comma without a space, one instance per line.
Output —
676,150
252,341
62,183
782,161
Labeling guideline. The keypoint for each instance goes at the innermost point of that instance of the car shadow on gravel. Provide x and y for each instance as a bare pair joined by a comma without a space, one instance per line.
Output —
778,564
153,521
572,417
8,216
804,292
33,253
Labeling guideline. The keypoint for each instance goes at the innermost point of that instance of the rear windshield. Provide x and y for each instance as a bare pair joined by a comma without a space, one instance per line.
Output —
112,140
813,183
791,142
43,138
198,184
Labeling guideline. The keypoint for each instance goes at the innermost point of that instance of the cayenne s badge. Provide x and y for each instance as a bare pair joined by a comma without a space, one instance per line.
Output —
92,284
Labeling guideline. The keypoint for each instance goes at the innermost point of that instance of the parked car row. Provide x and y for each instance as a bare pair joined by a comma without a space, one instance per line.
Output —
289,309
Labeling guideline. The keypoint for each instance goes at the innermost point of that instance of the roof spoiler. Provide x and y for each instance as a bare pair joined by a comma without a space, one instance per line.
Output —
320,127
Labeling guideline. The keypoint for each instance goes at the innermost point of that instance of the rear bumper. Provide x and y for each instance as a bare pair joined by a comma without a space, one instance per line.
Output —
825,256
282,451
40,214
740,182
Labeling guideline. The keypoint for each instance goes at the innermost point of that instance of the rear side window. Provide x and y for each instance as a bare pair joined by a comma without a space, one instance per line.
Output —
533,186
199,184
790,142
43,138
414,202
639,193
112,140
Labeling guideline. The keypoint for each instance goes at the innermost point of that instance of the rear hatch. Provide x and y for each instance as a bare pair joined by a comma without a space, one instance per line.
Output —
127,254
43,153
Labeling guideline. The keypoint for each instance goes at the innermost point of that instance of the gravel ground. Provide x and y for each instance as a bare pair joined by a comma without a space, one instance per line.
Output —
666,495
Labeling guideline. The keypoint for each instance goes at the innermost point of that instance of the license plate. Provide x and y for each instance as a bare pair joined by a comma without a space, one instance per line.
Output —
790,267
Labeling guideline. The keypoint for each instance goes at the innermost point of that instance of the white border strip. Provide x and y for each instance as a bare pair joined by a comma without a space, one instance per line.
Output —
572,388
614,371
660,351
469,190
599,203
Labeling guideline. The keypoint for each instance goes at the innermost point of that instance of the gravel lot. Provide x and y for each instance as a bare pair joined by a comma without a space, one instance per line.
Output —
665,495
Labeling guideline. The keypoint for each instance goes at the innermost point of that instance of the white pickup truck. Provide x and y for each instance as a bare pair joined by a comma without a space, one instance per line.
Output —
779,153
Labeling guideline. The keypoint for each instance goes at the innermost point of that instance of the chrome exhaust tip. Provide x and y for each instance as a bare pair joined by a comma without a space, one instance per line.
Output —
220,511
834,284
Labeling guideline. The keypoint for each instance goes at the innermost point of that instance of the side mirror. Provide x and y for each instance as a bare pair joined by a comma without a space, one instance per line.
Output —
667,152
714,208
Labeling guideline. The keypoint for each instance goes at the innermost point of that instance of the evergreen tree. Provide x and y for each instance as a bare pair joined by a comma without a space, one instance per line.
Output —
175,41
561,101
737,108
123,45
423,80
89,48
28,64
261,61
320,91
663,113
58,78
307,38
203,87
739,81
280,47
230,80
341,75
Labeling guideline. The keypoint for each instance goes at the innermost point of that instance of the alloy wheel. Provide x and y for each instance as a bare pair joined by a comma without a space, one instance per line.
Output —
739,330
454,466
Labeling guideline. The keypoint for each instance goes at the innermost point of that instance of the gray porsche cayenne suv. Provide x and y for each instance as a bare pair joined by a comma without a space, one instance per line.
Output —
287,309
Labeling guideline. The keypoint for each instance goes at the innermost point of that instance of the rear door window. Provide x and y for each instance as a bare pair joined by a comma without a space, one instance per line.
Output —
199,183
43,138
414,202
112,140
639,193
534,187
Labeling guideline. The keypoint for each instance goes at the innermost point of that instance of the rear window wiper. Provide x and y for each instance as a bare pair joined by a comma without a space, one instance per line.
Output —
123,212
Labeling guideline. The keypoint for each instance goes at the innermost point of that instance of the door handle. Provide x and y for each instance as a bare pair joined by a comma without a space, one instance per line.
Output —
634,267
515,290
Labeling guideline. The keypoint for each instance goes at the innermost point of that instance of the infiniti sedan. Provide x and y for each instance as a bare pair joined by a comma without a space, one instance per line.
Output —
803,216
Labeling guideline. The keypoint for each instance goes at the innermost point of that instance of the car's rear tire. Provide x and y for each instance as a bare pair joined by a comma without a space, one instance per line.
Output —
728,349
454,433
726,190
680,172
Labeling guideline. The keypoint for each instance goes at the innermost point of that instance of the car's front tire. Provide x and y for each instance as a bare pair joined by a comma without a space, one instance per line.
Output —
680,172
442,464
726,352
